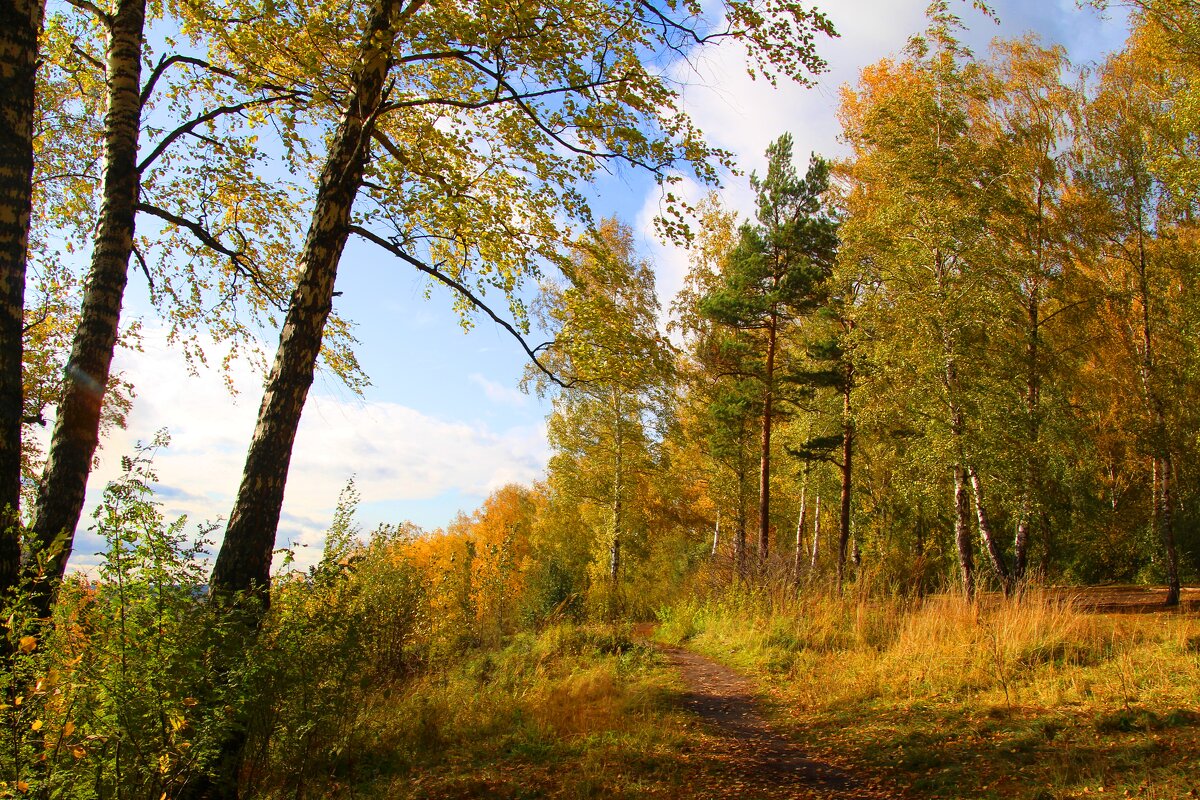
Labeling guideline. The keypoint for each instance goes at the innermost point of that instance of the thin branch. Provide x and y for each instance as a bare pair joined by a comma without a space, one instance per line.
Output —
88,57
475,301
166,63
236,257
192,124
137,253
95,10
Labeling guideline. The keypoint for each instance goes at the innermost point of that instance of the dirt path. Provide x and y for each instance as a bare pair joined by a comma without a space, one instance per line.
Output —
748,758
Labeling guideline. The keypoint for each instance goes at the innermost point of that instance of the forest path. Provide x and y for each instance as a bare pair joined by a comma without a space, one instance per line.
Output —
748,758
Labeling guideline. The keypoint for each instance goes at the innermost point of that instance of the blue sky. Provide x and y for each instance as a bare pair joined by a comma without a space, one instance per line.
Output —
443,423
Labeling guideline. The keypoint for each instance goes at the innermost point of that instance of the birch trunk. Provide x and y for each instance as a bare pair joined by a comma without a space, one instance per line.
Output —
1033,433
800,520
816,548
987,536
962,501
962,532
20,25
244,561
716,534
77,424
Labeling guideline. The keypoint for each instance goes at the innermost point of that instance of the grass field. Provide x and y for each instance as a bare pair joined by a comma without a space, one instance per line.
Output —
1034,698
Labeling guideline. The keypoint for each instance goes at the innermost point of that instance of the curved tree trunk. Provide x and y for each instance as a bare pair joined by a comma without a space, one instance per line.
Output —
20,24
244,561
77,424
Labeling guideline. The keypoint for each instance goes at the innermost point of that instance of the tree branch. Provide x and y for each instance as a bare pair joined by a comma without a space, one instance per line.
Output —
236,257
192,124
475,301
95,10
166,63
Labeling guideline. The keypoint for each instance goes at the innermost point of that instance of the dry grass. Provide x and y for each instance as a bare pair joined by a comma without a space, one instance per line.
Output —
1032,697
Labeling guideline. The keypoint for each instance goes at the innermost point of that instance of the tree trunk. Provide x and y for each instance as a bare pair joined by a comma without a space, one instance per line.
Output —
1033,434
77,424
1166,530
614,556
1162,518
990,545
20,25
816,548
716,534
764,471
799,552
962,532
847,472
962,501
244,561
739,542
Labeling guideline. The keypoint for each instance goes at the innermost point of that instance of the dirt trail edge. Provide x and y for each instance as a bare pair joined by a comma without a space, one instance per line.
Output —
750,757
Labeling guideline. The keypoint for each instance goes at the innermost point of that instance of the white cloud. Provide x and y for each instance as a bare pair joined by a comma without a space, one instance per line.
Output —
399,456
499,393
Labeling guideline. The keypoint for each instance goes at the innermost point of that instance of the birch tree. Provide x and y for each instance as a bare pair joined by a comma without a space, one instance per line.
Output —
20,26
608,350
471,129
917,207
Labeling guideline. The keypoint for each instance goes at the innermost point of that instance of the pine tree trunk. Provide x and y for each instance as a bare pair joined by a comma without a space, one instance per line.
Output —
244,561
20,25
739,542
77,424
764,471
990,545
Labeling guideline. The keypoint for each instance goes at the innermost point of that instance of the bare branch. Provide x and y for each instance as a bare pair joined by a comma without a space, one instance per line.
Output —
88,57
475,301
